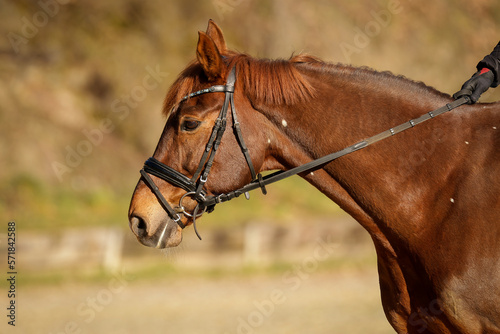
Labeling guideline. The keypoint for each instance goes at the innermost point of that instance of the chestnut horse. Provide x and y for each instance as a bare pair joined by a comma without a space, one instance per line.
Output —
429,197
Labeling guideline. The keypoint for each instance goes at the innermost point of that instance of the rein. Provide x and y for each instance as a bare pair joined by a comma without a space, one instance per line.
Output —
310,166
194,186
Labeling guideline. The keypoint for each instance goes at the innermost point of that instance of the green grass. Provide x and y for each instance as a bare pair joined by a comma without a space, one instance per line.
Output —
35,205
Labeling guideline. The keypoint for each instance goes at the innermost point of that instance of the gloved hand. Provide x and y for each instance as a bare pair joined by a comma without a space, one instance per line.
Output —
476,85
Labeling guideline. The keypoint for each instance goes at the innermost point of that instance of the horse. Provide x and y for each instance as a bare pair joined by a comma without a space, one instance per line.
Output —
428,197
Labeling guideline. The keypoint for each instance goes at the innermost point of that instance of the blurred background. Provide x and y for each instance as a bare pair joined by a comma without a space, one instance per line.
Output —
81,90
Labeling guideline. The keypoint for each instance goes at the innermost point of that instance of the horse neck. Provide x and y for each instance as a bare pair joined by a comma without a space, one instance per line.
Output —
350,107
352,104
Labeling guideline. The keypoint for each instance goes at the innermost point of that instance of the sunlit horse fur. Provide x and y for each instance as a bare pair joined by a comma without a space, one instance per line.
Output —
429,197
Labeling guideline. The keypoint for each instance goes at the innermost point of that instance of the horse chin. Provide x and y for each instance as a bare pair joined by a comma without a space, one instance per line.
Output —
168,235
169,243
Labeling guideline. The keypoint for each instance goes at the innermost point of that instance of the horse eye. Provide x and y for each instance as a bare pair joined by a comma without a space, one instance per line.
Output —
190,125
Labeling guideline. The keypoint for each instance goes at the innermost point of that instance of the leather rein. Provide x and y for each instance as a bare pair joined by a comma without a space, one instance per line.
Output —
194,185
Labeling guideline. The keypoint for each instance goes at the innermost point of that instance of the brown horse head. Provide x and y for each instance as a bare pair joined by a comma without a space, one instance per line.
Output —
189,127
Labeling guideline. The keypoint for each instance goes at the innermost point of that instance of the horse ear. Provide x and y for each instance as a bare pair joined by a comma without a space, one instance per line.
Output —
215,33
209,57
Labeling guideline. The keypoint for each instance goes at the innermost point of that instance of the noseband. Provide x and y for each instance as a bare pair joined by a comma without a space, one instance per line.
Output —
194,185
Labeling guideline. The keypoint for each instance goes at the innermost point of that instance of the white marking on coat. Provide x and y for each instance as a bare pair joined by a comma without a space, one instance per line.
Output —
284,123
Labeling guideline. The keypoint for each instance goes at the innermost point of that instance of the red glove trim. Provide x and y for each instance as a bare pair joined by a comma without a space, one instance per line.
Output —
484,70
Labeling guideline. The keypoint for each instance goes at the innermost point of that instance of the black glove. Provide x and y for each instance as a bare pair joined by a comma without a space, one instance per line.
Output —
476,85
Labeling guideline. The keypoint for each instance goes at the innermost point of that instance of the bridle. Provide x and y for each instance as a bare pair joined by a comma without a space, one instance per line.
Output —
194,185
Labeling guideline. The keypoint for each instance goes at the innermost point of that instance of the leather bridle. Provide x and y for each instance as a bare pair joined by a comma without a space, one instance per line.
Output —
194,185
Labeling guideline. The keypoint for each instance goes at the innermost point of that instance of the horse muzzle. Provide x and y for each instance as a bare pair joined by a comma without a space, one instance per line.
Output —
167,233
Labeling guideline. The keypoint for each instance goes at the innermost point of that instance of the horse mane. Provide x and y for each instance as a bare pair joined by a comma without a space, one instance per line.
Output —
402,83
182,86
274,82
279,82
266,81
384,79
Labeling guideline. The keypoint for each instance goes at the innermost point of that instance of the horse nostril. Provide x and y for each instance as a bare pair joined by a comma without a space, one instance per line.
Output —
138,226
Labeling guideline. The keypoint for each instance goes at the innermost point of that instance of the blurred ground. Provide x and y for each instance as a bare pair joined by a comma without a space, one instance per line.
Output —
317,276
325,302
